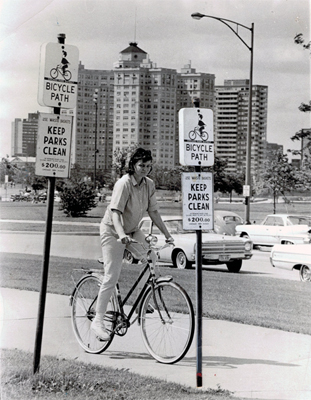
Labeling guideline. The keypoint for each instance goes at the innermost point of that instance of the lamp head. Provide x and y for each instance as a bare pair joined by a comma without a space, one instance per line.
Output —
197,15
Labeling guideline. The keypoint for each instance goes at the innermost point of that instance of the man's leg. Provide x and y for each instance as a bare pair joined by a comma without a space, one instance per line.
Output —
113,251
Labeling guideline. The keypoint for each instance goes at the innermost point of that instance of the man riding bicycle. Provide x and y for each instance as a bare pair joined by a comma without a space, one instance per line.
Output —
132,196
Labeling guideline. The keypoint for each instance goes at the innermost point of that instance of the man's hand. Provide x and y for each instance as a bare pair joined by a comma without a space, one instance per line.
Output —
170,240
125,240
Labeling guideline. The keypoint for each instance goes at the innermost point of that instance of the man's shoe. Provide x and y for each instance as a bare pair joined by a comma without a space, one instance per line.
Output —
100,331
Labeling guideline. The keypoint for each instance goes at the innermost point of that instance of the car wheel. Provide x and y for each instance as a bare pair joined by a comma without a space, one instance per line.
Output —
180,260
234,266
244,235
305,273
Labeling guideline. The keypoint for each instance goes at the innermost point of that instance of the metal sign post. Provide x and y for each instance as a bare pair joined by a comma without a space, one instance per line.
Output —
196,148
53,151
44,276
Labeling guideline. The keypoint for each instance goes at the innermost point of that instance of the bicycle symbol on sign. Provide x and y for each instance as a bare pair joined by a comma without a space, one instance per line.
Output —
196,132
58,70
199,130
62,68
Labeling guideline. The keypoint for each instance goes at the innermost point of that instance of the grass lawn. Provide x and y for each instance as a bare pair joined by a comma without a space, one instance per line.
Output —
248,299
72,380
37,212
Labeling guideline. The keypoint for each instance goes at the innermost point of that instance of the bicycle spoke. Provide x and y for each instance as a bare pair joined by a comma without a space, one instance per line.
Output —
83,313
168,331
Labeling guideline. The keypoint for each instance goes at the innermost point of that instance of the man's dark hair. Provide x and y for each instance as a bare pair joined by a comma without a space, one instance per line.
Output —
139,154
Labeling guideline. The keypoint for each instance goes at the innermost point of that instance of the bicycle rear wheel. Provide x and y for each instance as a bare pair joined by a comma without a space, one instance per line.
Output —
192,135
167,331
54,73
84,300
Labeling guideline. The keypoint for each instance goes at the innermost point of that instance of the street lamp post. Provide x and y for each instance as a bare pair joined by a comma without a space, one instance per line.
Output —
227,22
95,99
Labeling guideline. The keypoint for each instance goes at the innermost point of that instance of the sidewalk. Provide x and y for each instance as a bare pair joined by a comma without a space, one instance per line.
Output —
252,362
249,361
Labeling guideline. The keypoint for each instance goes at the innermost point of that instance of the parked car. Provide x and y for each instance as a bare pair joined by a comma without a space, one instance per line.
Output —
22,196
226,221
293,257
278,229
216,248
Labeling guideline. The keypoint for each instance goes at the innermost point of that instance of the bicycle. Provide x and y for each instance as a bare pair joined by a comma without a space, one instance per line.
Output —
193,134
164,311
58,70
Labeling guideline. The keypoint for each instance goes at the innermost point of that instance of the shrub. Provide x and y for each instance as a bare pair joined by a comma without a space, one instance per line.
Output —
77,199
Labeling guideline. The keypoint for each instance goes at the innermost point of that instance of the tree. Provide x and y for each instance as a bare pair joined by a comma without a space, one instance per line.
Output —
279,176
121,158
77,195
6,169
304,135
39,183
225,182
234,183
77,198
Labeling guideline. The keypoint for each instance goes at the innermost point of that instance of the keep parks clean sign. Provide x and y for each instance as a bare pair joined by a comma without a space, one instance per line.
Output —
54,145
197,189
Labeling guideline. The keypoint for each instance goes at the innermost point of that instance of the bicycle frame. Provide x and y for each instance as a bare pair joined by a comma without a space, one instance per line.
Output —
122,303
161,319
151,281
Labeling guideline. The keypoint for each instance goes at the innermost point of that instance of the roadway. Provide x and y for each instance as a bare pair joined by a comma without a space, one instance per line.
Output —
262,364
87,246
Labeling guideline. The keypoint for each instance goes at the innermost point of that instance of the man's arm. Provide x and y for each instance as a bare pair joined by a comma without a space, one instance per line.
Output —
156,218
117,222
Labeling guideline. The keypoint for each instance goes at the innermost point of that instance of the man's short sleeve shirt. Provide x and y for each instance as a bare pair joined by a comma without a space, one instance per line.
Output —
132,200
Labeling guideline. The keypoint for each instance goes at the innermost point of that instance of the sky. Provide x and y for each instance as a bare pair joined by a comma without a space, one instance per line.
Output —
101,29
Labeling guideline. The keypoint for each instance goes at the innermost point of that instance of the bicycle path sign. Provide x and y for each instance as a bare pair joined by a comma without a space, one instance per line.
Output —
196,137
58,78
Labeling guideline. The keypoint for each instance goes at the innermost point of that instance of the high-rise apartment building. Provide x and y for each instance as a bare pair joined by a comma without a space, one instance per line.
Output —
145,105
231,122
93,82
24,136
137,103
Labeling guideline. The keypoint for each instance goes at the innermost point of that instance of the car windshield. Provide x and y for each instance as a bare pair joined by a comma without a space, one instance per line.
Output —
228,219
175,227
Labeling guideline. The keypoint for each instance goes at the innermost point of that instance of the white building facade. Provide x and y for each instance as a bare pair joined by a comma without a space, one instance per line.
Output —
231,122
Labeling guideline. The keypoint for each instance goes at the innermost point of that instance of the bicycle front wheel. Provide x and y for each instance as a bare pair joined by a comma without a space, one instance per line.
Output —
83,312
67,75
167,322
204,136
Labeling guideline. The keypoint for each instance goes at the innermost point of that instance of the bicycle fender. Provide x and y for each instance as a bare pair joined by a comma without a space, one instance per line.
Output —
96,274
167,278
